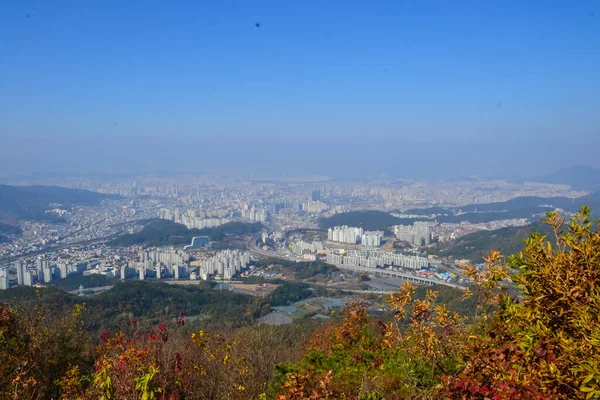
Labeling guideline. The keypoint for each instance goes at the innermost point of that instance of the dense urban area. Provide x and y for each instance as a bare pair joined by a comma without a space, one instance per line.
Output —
300,200
216,228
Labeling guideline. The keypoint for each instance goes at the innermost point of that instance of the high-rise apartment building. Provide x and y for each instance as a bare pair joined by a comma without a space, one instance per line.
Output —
345,234
418,234
4,283
19,268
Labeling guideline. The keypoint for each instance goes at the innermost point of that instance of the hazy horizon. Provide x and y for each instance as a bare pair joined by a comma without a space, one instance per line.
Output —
421,90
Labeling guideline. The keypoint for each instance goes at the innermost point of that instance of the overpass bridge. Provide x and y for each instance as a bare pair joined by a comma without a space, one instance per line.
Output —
258,252
401,275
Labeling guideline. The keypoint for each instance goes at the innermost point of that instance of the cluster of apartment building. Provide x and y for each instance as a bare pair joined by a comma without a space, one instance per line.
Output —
44,272
164,263
225,263
199,219
417,234
165,256
345,234
375,258
354,235
159,270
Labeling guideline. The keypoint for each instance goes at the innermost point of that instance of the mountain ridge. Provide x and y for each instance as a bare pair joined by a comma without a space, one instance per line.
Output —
579,177
32,202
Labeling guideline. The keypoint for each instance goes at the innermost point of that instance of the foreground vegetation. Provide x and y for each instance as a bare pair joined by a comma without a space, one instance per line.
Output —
543,343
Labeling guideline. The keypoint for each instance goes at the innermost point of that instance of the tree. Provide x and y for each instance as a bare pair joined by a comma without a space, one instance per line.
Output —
206,365
37,349
543,343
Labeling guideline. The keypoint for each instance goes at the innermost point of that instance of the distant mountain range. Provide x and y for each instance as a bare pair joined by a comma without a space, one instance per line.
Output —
32,202
579,177
525,207
520,207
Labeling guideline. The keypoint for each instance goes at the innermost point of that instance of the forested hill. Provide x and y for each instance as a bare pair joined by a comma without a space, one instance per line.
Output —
526,204
6,230
158,301
162,232
31,202
476,245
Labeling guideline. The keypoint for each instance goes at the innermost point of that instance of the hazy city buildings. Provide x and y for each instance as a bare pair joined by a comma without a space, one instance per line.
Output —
254,215
316,195
197,219
314,207
301,248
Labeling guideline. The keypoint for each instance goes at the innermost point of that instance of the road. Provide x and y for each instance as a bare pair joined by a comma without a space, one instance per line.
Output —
256,251
354,290
93,289
401,275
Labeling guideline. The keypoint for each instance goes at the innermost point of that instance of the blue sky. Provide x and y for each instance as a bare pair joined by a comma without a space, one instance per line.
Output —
476,85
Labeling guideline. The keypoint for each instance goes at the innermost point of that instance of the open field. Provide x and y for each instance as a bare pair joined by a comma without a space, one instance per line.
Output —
258,289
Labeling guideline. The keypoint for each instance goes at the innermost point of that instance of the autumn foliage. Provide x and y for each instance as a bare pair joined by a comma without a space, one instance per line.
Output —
36,349
154,365
543,343
535,335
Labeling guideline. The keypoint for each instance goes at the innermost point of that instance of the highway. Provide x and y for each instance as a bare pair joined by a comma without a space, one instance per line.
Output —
258,252
401,275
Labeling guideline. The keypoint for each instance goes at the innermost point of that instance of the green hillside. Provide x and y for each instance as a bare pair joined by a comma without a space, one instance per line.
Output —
476,245
152,302
162,232
579,177
6,230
